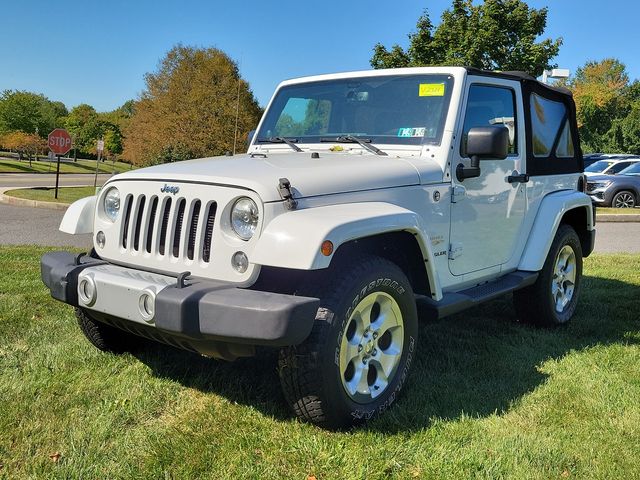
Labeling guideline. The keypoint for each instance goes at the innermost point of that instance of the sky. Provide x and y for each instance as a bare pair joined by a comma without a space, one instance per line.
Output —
98,52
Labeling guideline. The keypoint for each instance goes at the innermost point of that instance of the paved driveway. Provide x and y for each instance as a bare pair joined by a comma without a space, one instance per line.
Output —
39,226
48,180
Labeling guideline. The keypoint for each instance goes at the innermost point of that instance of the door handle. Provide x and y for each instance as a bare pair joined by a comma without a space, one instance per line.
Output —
520,178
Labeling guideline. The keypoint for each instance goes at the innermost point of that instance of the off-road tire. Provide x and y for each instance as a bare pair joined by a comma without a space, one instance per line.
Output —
535,304
105,337
624,199
309,373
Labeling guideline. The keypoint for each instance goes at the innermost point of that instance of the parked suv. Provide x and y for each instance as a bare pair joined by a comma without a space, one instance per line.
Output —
619,191
362,196
610,166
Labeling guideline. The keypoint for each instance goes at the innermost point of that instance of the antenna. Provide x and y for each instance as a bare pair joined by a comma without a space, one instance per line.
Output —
235,133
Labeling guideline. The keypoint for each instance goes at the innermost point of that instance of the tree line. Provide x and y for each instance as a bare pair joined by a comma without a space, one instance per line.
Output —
195,104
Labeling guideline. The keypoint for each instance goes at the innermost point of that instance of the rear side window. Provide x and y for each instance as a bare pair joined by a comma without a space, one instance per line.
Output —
618,167
551,132
490,105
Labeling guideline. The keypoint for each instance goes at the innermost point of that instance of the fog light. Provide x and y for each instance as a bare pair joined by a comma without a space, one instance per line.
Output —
146,305
240,262
101,239
87,291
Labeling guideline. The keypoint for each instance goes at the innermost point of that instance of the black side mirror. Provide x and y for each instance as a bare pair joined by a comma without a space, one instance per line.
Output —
484,143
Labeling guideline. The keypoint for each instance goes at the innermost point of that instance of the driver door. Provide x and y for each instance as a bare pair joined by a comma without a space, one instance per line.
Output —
487,211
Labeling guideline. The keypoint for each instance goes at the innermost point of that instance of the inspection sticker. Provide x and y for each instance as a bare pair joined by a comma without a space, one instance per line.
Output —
411,132
431,90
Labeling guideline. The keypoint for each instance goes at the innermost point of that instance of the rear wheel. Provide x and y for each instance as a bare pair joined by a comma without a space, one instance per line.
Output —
105,337
553,298
623,199
356,360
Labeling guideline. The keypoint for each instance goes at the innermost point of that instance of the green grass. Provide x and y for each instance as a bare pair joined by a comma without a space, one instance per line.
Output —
616,211
81,166
487,398
65,194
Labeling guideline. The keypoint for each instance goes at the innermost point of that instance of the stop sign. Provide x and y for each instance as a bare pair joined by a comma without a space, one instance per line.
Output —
59,141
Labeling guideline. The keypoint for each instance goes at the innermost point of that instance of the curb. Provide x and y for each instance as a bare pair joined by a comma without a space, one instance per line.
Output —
621,218
24,202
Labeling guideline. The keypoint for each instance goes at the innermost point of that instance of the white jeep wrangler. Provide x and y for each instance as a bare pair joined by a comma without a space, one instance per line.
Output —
362,196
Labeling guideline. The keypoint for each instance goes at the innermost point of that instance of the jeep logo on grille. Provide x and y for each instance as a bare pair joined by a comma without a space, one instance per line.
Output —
170,189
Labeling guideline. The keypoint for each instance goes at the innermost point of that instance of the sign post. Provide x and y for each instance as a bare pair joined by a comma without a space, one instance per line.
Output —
59,142
100,149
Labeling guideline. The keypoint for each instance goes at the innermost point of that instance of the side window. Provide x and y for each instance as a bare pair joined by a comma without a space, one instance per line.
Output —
550,128
618,167
490,105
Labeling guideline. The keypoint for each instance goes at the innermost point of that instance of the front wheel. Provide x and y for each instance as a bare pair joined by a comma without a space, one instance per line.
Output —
623,199
105,337
553,298
357,357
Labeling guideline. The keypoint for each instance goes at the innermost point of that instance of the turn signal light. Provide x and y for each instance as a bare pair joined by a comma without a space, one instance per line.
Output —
326,248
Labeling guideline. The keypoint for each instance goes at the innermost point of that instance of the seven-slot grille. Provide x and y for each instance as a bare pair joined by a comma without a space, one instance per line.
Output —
177,227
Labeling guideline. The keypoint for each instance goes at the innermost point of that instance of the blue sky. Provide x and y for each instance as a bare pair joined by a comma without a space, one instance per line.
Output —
98,52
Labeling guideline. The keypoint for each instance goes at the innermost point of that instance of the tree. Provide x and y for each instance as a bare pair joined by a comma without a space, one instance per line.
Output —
495,35
603,99
29,144
88,126
29,113
189,108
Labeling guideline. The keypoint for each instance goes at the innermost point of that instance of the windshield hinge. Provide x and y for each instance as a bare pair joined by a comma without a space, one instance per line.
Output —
284,187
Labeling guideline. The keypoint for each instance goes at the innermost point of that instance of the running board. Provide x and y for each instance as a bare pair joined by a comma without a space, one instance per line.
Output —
454,302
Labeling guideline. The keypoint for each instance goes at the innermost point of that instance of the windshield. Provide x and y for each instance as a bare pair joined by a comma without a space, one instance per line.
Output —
599,166
398,109
631,170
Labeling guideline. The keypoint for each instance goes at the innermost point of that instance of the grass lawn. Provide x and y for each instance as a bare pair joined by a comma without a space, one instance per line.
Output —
81,166
65,194
487,398
616,211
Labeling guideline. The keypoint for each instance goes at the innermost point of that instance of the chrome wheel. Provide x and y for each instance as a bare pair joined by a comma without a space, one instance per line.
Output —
564,278
624,200
371,347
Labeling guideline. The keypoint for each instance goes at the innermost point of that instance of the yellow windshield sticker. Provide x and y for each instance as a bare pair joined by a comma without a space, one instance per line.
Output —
431,90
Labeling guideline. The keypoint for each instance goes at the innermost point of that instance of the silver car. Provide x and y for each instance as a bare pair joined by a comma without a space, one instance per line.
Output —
620,191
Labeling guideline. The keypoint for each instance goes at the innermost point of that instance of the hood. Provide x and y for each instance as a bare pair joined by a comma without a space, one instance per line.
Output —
331,173
599,177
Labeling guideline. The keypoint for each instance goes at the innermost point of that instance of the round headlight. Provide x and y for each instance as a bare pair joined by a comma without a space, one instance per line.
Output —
111,203
244,217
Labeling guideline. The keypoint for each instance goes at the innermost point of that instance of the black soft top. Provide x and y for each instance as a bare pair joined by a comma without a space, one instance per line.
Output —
522,77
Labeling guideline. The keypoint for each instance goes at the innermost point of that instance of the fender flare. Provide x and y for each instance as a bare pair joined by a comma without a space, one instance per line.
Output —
292,240
552,209
79,216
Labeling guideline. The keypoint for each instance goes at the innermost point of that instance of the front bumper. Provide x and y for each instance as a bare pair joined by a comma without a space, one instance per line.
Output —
202,310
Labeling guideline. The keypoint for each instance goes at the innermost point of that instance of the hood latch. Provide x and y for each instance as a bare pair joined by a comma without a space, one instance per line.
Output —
284,187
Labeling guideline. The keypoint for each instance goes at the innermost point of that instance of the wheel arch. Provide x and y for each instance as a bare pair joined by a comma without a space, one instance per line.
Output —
292,240
78,218
568,207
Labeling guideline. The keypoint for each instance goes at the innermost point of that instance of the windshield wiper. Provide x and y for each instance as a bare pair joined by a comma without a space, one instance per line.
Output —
363,142
288,141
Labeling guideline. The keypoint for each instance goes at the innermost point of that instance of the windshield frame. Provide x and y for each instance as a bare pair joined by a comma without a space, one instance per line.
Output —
284,93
